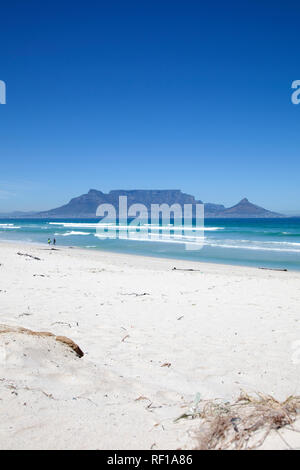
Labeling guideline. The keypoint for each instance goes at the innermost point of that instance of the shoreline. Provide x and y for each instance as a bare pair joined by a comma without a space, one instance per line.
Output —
145,256
153,339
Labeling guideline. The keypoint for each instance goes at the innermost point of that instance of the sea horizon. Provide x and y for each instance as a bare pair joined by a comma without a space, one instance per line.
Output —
271,243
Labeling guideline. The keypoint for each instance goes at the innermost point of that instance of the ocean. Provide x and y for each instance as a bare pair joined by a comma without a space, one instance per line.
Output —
273,243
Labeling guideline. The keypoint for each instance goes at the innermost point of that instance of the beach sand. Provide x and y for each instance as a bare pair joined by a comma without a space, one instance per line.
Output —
153,338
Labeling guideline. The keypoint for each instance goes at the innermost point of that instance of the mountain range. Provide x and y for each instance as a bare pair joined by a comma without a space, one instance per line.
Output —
85,206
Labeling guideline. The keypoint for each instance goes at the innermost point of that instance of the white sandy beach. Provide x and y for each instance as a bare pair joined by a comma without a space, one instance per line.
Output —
152,339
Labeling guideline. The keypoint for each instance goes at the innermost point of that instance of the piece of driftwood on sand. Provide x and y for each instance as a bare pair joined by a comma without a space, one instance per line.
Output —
29,256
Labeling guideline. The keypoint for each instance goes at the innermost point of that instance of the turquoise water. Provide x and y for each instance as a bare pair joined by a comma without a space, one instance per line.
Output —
255,242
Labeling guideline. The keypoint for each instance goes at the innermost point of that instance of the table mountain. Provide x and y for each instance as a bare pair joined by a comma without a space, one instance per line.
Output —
85,206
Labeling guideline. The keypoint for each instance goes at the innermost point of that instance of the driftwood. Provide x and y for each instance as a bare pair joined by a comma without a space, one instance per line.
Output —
198,270
29,256
51,249
186,269
273,269
137,295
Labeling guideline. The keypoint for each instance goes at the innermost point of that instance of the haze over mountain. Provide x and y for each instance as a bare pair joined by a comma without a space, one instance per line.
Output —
85,206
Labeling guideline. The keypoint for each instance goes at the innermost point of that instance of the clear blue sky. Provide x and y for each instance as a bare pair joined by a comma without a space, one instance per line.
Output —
150,94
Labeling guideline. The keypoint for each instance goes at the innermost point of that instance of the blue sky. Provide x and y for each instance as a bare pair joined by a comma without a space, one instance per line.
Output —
153,94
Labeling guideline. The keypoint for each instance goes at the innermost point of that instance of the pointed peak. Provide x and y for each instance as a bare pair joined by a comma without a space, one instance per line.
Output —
244,201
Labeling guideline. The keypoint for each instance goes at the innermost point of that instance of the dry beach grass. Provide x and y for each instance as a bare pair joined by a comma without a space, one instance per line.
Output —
244,424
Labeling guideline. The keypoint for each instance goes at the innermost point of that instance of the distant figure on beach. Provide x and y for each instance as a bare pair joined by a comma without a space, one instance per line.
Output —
54,241
49,241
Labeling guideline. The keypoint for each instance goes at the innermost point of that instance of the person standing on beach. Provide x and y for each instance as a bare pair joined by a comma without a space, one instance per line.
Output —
49,241
54,241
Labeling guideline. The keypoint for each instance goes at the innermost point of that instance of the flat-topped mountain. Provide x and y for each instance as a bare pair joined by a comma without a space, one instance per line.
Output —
85,206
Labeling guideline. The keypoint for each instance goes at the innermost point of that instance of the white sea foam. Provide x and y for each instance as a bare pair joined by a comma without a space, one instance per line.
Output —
260,242
75,224
8,226
253,247
125,227
179,239
179,227
68,234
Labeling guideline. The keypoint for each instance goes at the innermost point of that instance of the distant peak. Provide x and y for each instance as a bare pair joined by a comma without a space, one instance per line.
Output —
91,191
243,201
